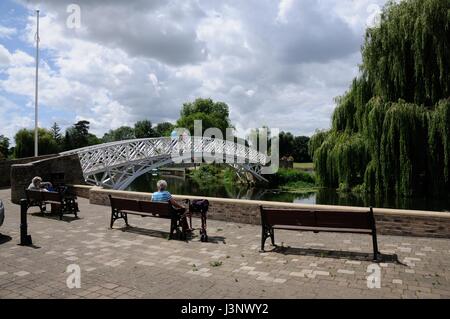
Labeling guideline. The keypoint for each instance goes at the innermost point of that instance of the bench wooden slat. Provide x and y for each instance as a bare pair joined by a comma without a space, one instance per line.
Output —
293,218
352,220
319,218
51,196
125,204
159,209
34,195
326,229
317,221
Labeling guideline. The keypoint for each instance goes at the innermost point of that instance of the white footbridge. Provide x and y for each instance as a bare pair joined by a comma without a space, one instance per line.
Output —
116,165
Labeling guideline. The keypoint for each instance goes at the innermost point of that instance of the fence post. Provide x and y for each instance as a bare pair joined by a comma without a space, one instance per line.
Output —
25,239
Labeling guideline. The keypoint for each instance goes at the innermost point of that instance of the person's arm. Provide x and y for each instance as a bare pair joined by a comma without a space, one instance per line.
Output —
174,203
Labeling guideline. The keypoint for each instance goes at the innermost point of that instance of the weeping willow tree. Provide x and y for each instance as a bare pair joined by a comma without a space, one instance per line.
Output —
391,131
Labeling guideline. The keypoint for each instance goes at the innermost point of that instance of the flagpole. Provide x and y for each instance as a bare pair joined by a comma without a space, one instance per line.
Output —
36,135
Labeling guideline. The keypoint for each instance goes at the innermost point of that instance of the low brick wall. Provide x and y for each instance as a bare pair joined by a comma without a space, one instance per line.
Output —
22,174
81,190
5,167
389,221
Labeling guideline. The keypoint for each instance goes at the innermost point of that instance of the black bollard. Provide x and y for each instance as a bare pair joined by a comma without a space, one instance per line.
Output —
25,239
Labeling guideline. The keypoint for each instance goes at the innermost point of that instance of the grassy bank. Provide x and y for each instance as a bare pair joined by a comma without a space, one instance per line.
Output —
293,180
208,175
289,180
304,166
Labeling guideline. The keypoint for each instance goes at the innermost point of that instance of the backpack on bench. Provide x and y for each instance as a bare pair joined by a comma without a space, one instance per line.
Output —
201,206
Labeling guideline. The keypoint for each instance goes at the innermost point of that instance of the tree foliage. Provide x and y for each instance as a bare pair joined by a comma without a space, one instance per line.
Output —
295,146
390,132
4,147
78,136
164,129
212,114
120,134
143,129
24,140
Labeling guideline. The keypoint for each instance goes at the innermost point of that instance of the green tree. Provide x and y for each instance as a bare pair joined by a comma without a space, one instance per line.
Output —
286,141
24,139
77,136
164,129
301,149
391,131
93,139
143,129
212,114
55,130
295,146
4,147
120,134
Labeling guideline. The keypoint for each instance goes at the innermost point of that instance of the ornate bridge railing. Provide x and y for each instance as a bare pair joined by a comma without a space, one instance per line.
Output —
117,164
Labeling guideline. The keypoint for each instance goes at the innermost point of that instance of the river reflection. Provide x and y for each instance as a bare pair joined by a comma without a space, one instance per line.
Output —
185,186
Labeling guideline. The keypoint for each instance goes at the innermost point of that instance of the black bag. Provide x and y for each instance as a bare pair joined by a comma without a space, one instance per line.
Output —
199,205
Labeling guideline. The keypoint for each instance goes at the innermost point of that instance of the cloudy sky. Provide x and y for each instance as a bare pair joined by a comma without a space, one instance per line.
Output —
278,63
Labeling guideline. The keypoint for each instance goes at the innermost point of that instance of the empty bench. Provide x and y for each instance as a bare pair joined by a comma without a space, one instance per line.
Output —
121,207
60,203
318,221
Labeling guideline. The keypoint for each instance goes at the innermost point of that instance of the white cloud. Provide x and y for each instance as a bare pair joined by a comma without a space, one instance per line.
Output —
283,8
6,32
12,118
274,63
5,57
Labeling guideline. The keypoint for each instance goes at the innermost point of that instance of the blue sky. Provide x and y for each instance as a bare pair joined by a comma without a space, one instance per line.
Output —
275,63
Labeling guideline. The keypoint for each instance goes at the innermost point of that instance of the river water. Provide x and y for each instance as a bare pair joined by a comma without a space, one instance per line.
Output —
185,186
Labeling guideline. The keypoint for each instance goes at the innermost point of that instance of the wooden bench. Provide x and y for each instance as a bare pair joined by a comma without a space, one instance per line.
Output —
121,207
318,221
60,204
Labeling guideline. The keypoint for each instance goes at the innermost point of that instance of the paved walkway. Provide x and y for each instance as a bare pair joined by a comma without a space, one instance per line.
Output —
140,262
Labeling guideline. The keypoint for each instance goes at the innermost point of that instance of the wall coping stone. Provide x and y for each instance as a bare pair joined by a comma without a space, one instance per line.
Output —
377,211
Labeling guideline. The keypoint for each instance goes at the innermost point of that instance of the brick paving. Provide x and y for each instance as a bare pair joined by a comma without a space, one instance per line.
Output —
139,262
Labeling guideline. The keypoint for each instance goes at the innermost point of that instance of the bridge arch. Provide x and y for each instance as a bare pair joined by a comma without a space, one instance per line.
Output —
116,165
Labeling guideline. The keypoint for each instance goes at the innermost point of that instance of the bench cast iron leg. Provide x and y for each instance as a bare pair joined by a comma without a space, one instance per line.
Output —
266,233
376,253
116,214
173,227
112,219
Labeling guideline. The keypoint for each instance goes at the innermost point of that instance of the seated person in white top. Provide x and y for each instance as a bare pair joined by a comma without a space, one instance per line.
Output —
38,185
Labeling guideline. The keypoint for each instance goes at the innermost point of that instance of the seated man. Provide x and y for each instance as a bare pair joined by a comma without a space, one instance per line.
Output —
38,185
164,196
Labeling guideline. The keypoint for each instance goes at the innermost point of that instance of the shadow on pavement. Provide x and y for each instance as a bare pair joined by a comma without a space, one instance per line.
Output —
165,235
145,232
67,219
4,238
338,254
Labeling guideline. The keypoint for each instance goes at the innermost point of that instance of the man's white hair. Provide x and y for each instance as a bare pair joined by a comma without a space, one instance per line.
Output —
36,179
162,184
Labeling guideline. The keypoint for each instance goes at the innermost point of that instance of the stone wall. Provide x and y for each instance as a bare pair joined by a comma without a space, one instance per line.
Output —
21,174
5,167
389,221
81,190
